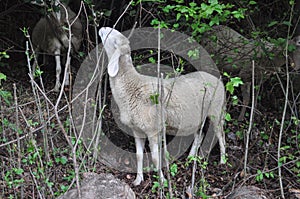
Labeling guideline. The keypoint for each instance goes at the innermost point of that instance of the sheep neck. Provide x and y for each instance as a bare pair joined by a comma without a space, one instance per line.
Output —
126,87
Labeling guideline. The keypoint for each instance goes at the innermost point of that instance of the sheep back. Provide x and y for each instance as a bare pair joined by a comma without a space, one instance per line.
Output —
188,99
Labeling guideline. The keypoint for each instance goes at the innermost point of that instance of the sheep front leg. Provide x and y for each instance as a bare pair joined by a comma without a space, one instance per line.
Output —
35,63
139,144
153,142
246,99
58,69
64,58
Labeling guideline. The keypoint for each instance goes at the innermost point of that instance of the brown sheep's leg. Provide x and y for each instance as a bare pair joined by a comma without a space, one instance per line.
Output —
246,99
58,69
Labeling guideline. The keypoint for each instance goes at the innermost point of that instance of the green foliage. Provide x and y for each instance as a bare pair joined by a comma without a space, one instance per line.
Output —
4,55
13,177
2,77
264,135
197,17
70,176
5,95
38,72
173,169
233,83
200,160
152,60
228,117
194,54
260,175
62,160
154,98
156,184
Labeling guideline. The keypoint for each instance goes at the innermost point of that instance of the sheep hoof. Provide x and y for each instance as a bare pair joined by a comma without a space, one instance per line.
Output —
223,159
138,180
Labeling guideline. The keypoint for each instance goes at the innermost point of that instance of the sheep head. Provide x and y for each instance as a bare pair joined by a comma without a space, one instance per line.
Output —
115,45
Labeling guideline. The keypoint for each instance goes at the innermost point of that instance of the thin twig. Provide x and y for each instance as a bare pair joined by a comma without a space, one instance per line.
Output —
127,7
165,137
198,138
285,107
67,66
159,127
251,119
17,133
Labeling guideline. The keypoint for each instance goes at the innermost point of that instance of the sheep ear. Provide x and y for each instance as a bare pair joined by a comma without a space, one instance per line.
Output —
113,65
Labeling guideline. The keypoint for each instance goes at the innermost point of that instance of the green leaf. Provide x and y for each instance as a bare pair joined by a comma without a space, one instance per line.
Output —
193,4
234,100
168,8
178,16
2,77
267,175
107,13
226,74
213,2
287,23
259,176
229,87
62,160
4,55
236,81
173,169
18,171
239,134
194,54
152,60
154,98
38,72
228,117
273,23
6,96
238,14
214,21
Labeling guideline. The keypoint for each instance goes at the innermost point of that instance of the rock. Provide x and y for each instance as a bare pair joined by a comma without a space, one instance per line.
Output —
249,192
98,186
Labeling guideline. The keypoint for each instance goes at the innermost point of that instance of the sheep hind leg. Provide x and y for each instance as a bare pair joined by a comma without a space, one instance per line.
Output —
153,142
58,69
215,130
198,137
219,132
139,143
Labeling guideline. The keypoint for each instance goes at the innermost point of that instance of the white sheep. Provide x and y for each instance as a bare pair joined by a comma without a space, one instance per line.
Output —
190,98
233,53
50,35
